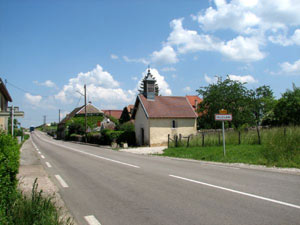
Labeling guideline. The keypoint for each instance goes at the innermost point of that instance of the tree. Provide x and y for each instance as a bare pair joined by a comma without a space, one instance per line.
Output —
124,116
262,102
287,109
230,95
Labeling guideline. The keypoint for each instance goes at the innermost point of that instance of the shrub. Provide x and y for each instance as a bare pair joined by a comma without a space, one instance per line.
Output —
128,126
9,165
76,137
282,146
109,136
94,138
128,137
37,209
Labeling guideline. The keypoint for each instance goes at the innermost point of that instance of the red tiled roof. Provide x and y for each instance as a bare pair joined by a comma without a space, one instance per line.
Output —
113,112
90,109
192,99
166,107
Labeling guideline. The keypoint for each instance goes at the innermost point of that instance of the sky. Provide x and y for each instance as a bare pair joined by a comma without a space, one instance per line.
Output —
49,49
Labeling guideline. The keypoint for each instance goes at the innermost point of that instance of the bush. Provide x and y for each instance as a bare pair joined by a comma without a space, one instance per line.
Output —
94,138
282,146
37,209
129,126
76,137
9,166
127,137
109,136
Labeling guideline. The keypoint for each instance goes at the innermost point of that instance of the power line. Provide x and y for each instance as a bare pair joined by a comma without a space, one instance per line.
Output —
25,91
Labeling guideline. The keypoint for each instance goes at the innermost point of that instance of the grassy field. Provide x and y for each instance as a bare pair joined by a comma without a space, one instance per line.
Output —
280,147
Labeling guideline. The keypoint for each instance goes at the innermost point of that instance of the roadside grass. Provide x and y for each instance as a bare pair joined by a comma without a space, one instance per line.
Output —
234,153
280,147
37,209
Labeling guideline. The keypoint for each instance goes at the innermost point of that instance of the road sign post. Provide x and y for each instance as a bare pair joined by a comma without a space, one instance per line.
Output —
223,116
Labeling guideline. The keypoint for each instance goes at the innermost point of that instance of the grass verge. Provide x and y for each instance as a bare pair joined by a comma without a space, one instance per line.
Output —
249,154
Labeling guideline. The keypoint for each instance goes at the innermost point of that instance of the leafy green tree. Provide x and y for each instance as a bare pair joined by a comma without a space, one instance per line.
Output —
230,95
287,109
262,102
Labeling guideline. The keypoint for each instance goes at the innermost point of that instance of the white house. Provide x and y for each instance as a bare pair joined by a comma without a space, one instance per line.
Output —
157,116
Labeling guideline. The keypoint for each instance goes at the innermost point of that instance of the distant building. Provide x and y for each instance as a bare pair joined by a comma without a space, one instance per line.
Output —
79,111
112,112
126,114
156,117
4,99
194,101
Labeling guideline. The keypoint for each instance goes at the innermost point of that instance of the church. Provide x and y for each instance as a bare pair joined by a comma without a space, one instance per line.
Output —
156,117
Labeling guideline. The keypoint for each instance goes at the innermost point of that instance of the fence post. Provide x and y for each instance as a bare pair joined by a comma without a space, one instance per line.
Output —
239,137
202,139
180,138
219,138
176,141
188,141
168,140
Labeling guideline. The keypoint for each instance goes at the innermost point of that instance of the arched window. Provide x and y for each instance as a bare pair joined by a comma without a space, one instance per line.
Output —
173,124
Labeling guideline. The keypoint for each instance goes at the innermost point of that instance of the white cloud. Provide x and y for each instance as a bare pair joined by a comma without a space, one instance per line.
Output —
290,68
47,83
168,69
134,78
283,40
244,16
241,48
210,80
164,88
33,99
101,87
141,60
243,79
187,89
113,56
166,55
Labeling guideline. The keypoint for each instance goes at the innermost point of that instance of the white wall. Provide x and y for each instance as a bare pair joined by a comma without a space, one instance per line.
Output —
141,121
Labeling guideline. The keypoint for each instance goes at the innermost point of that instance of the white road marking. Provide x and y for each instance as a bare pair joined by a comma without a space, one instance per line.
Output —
238,192
92,220
61,181
48,164
90,154
42,156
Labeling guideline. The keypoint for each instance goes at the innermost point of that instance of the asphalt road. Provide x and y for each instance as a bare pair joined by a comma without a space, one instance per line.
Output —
101,186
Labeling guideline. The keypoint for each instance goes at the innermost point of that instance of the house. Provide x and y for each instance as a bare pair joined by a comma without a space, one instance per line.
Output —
91,110
112,112
156,117
126,113
4,99
194,101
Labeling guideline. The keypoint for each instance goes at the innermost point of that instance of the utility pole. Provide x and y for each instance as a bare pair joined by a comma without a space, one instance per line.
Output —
85,113
12,120
59,116
44,120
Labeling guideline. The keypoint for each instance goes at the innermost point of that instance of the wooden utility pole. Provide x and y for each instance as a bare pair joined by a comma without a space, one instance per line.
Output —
85,113
59,116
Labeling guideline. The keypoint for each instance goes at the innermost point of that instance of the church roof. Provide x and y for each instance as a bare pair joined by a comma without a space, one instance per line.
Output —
165,107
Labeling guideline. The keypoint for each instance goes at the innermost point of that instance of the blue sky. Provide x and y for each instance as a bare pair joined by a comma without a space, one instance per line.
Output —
49,49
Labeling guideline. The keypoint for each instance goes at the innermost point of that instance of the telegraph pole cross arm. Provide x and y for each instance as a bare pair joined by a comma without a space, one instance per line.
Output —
12,112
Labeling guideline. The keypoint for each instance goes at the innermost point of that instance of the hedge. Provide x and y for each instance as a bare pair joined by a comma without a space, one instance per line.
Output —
9,166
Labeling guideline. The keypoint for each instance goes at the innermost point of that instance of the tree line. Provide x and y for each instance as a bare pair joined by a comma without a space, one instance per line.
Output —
249,107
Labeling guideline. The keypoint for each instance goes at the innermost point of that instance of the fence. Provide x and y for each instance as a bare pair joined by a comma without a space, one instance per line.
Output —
214,138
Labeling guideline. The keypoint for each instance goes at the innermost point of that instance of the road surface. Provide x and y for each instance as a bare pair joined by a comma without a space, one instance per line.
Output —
102,186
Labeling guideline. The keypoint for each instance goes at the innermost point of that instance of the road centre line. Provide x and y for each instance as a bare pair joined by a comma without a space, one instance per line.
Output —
238,192
92,220
42,156
61,181
90,154
48,164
